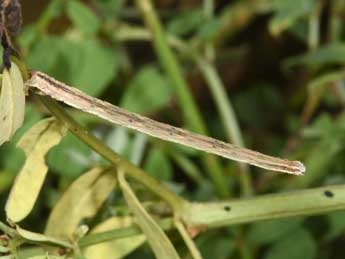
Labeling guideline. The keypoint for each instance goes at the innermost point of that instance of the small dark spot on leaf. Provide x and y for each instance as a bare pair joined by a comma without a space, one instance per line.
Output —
329,194
227,208
4,118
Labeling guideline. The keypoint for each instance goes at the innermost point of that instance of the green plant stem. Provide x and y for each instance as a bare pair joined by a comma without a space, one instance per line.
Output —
265,207
7,230
190,111
188,240
131,170
314,26
208,7
228,118
289,204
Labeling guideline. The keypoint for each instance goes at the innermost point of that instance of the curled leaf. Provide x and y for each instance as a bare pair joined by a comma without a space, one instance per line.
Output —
36,143
82,200
12,103
118,248
158,240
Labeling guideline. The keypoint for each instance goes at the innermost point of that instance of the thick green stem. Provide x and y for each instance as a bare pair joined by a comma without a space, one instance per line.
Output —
273,206
265,207
192,116
131,170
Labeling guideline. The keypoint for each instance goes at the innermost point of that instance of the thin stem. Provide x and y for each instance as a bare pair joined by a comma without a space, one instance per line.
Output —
174,200
209,15
314,26
187,239
192,115
228,118
7,230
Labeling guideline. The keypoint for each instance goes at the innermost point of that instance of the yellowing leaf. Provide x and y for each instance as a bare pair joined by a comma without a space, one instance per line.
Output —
36,143
82,200
36,237
159,242
118,248
12,103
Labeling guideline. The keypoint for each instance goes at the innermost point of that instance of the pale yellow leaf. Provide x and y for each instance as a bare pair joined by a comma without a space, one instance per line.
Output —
82,200
117,248
12,103
36,143
36,237
157,239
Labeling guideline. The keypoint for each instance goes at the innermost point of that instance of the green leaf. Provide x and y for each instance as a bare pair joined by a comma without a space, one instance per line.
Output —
336,225
35,143
333,53
318,164
44,54
216,247
96,69
85,64
12,157
158,165
31,236
266,232
159,242
110,8
53,10
186,22
12,103
118,248
82,17
82,200
318,86
287,12
298,245
147,92
71,158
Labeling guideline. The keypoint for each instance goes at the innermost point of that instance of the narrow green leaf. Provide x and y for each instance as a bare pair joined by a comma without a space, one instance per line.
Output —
82,17
36,237
82,200
159,242
12,103
118,248
36,143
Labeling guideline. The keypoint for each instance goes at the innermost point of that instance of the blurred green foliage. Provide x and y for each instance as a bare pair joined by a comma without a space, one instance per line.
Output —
287,87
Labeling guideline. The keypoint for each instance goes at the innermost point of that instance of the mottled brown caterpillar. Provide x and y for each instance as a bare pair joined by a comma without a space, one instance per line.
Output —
10,26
